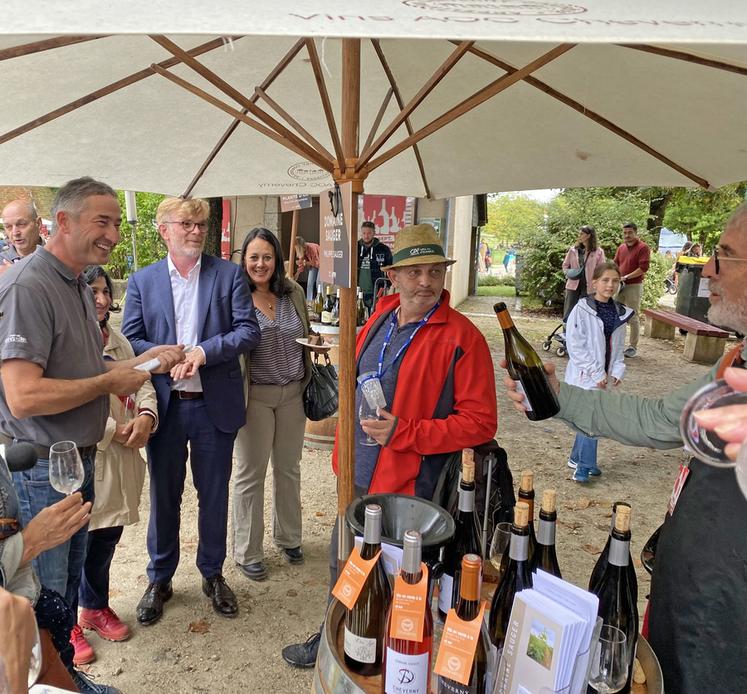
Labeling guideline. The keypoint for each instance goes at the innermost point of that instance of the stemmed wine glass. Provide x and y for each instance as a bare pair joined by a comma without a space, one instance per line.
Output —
66,473
35,661
372,400
609,661
499,547
365,411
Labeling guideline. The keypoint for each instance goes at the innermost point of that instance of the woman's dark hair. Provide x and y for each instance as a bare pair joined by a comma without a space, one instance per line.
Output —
90,275
278,283
591,244
600,269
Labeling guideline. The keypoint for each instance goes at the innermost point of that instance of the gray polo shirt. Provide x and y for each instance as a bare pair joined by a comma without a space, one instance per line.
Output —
47,316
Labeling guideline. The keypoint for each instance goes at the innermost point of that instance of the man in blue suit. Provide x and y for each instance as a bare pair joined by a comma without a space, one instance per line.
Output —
203,302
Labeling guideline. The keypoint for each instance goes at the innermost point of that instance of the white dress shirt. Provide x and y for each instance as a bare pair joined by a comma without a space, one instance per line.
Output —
184,292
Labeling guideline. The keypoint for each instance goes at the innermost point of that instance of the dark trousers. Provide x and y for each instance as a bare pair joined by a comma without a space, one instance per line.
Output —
93,593
210,451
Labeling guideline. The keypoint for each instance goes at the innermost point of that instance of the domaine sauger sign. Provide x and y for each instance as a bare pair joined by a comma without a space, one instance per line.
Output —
503,8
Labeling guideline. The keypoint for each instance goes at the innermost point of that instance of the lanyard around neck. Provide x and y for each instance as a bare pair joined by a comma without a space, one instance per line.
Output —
388,339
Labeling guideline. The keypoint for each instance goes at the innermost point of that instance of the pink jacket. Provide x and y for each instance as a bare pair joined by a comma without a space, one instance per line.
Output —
571,261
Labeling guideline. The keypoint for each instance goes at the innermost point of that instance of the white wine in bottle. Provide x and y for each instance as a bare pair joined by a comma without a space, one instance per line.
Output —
545,557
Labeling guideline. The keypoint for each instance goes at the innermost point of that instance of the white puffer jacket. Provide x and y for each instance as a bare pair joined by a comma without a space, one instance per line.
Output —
584,336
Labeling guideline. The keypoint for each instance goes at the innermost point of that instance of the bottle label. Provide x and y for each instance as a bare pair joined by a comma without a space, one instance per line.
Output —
519,549
406,674
458,645
519,389
619,552
445,588
350,583
467,500
546,532
359,648
409,603
326,317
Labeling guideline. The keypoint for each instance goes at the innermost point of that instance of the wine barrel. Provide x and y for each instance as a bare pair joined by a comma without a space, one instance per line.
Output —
320,435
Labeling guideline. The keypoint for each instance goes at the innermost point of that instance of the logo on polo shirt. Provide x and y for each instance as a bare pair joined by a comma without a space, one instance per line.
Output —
16,338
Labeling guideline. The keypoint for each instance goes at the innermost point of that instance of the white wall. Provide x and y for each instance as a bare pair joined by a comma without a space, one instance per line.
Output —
460,226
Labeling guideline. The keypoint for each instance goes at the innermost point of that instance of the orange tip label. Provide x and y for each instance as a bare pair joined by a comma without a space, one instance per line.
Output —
458,646
408,608
353,577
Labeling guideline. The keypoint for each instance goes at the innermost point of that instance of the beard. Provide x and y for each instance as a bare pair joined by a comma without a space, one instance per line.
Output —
730,314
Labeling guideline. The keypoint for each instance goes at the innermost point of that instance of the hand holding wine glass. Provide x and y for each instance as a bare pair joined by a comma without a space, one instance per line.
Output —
66,472
609,661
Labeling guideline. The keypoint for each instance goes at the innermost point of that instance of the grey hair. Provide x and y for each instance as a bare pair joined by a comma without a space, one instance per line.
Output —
739,217
72,196
33,213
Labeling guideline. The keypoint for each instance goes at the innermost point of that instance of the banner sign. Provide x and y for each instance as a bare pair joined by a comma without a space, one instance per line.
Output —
389,213
288,203
336,260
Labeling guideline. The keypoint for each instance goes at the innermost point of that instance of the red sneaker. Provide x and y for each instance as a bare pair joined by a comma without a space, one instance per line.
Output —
83,650
105,623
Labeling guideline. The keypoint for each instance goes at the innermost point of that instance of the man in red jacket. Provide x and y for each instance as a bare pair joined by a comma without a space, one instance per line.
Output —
436,375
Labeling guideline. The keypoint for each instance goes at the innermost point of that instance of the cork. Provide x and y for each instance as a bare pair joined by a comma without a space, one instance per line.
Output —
527,481
548,500
622,518
468,465
521,514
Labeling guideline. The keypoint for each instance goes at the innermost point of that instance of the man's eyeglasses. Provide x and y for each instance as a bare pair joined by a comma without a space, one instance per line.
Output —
717,260
189,225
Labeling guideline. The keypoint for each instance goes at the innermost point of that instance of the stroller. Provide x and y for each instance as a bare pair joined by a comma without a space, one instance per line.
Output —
557,335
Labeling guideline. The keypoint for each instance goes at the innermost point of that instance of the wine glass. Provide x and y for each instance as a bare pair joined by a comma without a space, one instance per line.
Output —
371,400
609,661
499,547
35,661
365,411
66,473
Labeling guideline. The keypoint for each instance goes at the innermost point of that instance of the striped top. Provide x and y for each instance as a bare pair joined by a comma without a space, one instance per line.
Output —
278,359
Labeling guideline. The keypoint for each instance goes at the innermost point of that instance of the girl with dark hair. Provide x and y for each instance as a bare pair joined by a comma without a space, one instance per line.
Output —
119,478
276,374
578,266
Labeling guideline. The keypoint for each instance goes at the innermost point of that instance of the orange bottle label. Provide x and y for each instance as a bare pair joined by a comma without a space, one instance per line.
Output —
353,577
458,646
409,603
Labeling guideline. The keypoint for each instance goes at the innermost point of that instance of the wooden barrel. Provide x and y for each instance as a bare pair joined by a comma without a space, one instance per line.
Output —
320,435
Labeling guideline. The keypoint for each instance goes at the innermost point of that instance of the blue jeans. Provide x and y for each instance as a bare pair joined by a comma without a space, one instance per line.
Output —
58,568
311,278
584,452
94,582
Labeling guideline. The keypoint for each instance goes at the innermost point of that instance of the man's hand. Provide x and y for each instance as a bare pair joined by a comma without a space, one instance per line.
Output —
516,396
729,422
193,360
54,525
124,380
379,429
139,430
16,640
168,355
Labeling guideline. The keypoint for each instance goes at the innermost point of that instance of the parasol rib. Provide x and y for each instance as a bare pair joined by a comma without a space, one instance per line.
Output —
326,104
687,57
471,102
401,103
304,151
591,115
416,100
104,91
241,99
45,45
274,73
379,117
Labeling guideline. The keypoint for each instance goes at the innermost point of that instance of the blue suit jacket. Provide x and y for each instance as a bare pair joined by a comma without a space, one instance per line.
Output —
226,324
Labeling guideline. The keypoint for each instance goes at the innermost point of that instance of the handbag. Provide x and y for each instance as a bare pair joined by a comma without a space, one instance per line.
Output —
573,273
320,399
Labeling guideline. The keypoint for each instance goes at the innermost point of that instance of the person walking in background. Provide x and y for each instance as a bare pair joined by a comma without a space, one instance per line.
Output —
198,300
277,372
632,257
595,338
372,256
578,266
119,475
307,258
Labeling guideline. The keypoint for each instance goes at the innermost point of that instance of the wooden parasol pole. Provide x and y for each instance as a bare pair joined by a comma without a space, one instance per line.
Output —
351,56
292,250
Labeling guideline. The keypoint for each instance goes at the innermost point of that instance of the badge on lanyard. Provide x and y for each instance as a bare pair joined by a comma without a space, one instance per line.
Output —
679,485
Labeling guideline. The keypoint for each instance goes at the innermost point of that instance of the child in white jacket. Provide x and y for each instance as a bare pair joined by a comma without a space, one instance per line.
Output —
595,338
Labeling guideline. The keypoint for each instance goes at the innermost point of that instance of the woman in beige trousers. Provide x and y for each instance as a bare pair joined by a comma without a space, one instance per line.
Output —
276,375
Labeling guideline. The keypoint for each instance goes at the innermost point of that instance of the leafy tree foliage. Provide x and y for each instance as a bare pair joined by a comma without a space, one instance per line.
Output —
511,217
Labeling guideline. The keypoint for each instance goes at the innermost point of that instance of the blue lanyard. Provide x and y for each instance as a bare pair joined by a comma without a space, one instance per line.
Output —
387,340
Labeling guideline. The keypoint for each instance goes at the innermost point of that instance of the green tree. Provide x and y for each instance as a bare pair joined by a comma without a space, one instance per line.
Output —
511,217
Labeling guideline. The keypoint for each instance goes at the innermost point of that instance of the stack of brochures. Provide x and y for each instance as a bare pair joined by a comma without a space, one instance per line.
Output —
549,634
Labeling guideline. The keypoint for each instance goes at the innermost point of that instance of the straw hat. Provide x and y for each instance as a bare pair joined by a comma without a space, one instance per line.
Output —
415,245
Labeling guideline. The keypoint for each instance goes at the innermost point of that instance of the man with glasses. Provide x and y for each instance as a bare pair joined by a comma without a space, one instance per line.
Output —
23,230
203,302
698,589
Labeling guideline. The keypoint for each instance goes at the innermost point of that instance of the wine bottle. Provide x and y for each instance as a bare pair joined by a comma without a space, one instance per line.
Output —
329,304
526,494
335,318
601,565
468,608
319,302
466,536
365,623
516,577
618,599
525,367
407,664
544,554
361,310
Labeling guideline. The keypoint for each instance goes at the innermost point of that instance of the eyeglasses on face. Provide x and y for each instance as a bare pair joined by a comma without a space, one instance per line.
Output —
717,260
188,224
